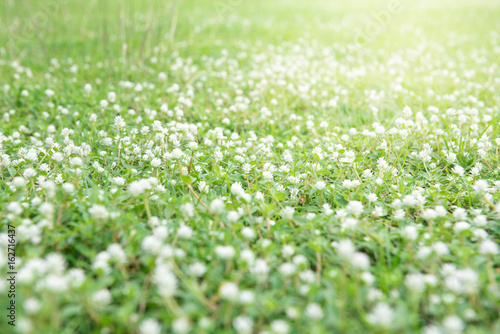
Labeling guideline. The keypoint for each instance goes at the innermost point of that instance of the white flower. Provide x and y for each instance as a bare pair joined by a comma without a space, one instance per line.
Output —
19,182
349,223
181,325
184,231
202,185
155,162
119,121
99,212
410,232
229,291
197,269
460,214
76,277
314,311
136,188
225,252
117,253
104,104
217,206
150,326
481,187
15,208
29,173
371,197
350,184
355,208
32,305
243,325
287,212
287,269
378,211
119,181
328,211
260,268
76,161
280,327
68,187
360,260
480,220
453,324
488,247
177,153
461,226
382,315
248,232
246,297
345,248
58,157
101,297
320,185
165,281
458,170
236,189
233,216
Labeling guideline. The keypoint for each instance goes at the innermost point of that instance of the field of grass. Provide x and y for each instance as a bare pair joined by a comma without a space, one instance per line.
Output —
230,166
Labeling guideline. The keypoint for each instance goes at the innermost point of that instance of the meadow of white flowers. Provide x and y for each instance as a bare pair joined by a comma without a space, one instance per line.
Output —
291,186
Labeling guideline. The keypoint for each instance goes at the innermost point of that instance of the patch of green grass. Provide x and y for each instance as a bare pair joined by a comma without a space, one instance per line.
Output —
250,167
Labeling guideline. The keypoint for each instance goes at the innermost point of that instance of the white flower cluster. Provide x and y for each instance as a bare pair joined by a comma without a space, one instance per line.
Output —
292,187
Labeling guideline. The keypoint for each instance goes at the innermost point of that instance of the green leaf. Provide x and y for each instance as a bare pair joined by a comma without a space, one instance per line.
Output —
217,170
269,207
323,171
187,179
280,196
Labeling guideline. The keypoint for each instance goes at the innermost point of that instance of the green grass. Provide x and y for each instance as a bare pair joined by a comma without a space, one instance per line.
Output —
185,166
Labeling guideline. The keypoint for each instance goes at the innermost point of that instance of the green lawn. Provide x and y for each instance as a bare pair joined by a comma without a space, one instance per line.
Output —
230,166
